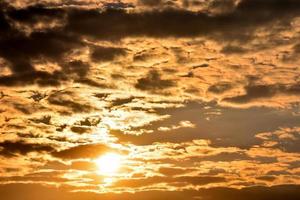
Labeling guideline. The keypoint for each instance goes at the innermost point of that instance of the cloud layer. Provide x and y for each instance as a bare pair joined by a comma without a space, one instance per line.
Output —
199,98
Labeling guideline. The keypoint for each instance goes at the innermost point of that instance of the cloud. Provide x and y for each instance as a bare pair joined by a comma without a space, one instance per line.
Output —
121,101
260,193
106,53
256,92
247,15
14,148
67,99
172,171
30,78
36,18
222,6
151,2
153,81
220,88
80,130
83,151
57,44
286,139
38,177
21,49
182,124
191,180
180,23
241,134
233,50
185,86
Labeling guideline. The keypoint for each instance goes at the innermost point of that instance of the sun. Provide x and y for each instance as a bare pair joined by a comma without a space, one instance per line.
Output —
109,164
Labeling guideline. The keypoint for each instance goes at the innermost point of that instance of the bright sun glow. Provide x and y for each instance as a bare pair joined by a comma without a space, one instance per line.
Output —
109,164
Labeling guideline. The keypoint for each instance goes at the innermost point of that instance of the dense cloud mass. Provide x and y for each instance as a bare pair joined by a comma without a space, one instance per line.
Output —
149,99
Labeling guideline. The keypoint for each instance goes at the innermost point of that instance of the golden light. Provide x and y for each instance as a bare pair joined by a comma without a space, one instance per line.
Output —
109,164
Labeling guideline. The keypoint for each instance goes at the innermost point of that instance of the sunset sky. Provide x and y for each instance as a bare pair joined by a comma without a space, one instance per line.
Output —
149,99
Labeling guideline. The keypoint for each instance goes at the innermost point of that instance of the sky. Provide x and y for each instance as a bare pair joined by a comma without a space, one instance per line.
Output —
149,99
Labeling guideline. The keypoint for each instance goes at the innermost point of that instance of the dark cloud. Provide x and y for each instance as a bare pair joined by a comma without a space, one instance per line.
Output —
20,49
106,53
255,92
153,81
33,77
224,157
235,25
83,151
266,178
13,148
23,50
4,25
171,171
292,56
37,96
230,49
151,3
45,120
92,83
222,6
76,67
67,99
118,24
90,121
121,101
220,88
80,130
36,14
